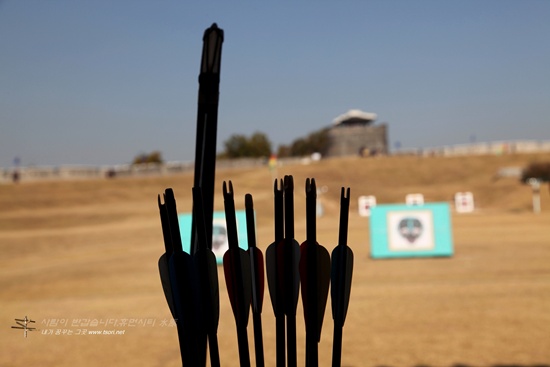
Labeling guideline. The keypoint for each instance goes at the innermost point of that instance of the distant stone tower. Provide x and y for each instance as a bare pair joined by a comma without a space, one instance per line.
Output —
353,133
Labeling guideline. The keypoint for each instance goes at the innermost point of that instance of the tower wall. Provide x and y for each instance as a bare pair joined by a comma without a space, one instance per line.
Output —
348,140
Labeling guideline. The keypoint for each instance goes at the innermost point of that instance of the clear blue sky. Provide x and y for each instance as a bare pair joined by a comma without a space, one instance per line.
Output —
98,82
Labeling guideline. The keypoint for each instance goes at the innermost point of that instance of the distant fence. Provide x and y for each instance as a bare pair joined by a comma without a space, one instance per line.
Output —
487,148
127,170
68,172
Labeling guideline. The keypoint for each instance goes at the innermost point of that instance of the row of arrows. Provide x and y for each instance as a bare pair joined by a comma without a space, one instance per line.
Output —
190,281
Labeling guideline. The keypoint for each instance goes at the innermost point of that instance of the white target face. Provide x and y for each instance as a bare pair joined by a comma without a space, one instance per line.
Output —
464,202
220,243
411,230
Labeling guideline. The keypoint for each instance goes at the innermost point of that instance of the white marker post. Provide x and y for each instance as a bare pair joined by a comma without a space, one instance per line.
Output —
535,185
464,202
365,203
320,210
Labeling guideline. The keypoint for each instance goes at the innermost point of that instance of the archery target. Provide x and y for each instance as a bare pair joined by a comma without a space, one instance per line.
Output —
365,203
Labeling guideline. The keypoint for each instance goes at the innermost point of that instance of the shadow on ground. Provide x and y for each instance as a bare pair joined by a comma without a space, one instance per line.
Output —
467,365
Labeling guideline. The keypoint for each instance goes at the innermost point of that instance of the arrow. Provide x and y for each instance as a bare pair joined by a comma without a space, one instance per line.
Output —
341,274
163,260
288,259
257,277
180,267
206,285
272,269
315,278
236,266
207,125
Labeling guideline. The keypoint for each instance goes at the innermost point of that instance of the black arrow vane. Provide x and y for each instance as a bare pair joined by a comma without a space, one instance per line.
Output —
341,274
288,260
163,260
206,284
257,278
273,268
236,266
314,276
180,267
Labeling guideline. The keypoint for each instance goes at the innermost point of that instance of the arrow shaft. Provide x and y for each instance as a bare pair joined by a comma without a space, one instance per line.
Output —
344,217
311,211
292,358
290,267
280,340
192,338
274,276
342,270
289,207
165,228
202,282
201,238
312,351
279,213
258,339
312,269
172,214
236,265
311,260
179,282
255,256
214,350
337,347
242,338
230,217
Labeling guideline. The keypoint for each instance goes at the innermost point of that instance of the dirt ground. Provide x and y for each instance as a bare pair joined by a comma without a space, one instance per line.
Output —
81,257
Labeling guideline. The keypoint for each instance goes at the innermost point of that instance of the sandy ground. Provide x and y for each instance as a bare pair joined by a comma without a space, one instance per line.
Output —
81,257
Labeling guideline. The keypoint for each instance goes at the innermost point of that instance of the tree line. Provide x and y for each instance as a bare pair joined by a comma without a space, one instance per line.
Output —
258,145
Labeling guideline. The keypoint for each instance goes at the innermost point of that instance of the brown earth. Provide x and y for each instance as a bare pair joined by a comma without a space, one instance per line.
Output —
77,251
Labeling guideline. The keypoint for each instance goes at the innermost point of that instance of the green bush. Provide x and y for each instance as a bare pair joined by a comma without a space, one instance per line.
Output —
239,146
153,157
538,170
316,142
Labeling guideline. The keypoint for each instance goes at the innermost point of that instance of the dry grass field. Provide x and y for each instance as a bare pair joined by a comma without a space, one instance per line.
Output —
82,255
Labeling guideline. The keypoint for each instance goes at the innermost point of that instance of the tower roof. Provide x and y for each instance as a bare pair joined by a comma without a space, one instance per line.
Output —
355,116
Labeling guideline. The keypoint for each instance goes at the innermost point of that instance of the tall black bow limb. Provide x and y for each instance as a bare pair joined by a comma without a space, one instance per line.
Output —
207,126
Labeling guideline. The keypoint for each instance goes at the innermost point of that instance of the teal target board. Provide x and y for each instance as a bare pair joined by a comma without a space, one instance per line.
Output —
219,233
411,231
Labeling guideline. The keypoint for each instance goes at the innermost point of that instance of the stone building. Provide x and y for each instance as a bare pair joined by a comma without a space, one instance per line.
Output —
354,133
